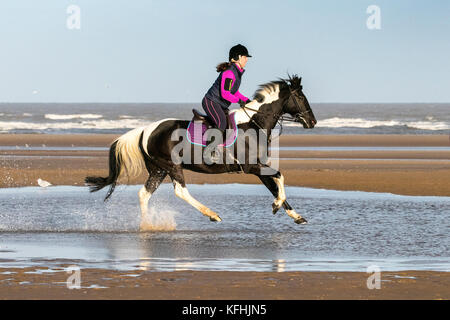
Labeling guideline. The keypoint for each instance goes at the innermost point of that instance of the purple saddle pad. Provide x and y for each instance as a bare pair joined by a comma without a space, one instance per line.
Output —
196,132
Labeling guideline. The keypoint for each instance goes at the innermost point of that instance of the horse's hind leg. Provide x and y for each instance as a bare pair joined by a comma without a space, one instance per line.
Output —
156,176
182,192
275,184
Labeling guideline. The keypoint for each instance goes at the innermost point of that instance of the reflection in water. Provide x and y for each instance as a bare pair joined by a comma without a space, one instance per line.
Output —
145,265
180,266
279,265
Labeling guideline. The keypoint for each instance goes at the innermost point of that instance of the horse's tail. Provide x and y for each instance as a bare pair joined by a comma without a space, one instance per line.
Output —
124,156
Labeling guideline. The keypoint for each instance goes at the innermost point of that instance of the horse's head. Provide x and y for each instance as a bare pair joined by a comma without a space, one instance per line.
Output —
296,104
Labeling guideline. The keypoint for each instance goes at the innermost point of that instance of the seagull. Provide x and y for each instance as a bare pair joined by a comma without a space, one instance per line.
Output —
43,183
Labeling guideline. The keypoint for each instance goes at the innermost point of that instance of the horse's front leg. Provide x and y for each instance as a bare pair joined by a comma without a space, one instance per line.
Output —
278,178
275,184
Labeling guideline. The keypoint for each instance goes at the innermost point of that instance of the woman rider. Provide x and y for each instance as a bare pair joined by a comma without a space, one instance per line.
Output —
224,91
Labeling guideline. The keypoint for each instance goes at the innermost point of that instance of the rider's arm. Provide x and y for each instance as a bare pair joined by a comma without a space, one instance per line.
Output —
241,96
225,88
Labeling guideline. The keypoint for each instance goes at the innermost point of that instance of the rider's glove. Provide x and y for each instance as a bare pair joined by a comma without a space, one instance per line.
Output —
243,103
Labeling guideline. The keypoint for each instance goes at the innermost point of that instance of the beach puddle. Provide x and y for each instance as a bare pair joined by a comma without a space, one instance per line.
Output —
346,230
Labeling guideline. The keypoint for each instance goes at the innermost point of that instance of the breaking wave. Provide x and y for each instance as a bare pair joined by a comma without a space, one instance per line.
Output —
338,122
102,124
52,116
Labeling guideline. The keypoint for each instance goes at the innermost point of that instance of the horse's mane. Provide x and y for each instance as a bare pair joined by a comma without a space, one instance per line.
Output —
267,89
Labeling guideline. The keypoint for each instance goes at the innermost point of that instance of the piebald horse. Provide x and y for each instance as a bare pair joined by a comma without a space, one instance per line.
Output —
151,147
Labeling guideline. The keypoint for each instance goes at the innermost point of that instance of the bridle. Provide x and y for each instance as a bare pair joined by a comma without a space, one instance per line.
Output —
300,114
296,118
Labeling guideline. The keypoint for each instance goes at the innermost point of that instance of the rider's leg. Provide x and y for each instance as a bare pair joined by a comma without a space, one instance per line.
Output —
215,112
218,115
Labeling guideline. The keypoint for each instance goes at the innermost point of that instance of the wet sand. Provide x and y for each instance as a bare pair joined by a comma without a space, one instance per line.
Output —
31,283
395,171
405,172
101,140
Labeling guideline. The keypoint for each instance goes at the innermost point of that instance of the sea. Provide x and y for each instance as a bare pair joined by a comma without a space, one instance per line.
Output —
117,118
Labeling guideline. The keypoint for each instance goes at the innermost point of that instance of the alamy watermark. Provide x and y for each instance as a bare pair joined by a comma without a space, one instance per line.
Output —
74,280
73,21
374,280
373,22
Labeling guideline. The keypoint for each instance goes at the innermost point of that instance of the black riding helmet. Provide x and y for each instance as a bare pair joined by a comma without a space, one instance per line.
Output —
238,50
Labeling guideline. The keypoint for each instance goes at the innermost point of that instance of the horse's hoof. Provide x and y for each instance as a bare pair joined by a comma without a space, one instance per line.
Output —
275,208
215,219
300,221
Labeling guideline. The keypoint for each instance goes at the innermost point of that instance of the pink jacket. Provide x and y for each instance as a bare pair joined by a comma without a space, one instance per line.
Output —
226,94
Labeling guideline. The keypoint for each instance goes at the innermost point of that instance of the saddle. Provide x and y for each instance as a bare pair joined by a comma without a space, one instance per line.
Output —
196,133
203,117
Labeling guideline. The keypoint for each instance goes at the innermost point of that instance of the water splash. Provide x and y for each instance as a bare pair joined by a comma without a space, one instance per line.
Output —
158,220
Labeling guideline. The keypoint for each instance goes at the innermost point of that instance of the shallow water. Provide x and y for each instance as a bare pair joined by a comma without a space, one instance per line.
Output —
346,231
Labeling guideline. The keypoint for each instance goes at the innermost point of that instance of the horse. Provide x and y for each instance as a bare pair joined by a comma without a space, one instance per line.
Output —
153,147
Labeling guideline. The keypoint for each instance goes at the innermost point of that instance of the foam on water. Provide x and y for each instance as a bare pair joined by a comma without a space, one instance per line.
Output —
102,124
72,116
337,122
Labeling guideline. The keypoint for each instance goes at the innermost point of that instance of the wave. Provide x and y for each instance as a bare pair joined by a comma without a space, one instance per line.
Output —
6,126
93,122
52,116
337,122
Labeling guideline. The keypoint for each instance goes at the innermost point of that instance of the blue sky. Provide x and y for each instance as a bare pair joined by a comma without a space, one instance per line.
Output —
166,51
